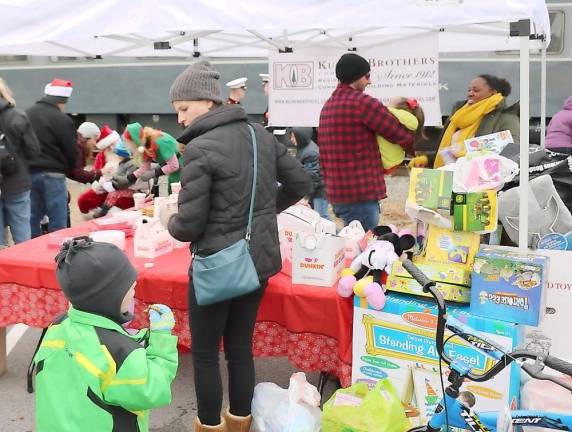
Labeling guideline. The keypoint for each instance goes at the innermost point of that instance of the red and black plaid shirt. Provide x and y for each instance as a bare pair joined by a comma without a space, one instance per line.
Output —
349,154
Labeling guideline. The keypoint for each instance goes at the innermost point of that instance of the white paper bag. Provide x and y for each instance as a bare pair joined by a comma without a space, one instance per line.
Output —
151,239
317,258
294,219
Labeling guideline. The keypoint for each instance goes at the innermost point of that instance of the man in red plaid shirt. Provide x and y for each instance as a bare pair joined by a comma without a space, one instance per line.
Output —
349,153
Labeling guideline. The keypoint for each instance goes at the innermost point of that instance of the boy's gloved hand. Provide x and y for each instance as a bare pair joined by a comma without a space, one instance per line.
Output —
161,318
151,174
418,162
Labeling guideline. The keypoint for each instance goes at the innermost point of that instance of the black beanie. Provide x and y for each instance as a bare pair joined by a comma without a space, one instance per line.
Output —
351,67
95,277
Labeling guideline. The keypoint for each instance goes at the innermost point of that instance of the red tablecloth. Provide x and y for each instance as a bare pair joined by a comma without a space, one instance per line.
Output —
310,325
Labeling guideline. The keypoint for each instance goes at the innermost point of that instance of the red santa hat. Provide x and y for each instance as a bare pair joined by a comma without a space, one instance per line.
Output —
107,137
59,87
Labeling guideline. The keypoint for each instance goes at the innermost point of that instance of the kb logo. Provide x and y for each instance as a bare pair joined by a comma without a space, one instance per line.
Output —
293,75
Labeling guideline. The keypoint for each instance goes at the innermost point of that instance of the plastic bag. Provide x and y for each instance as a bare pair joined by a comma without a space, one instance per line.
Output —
296,409
353,233
358,409
481,172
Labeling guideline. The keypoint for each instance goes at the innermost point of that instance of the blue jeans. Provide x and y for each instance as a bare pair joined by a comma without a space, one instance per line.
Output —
15,213
321,206
366,212
49,197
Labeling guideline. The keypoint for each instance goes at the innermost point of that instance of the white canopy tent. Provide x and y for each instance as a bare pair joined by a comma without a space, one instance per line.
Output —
252,27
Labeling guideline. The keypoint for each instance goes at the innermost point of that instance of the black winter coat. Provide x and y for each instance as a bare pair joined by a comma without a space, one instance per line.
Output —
23,146
308,154
216,181
58,138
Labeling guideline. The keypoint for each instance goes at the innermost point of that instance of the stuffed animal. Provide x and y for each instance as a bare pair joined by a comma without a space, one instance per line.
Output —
368,271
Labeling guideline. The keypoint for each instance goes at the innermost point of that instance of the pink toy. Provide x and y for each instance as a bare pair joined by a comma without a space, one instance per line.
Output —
368,271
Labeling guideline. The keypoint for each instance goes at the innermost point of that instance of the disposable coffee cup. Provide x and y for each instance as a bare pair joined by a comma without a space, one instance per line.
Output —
175,188
138,200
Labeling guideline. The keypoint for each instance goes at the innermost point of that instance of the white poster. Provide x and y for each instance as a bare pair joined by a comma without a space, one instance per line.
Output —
302,81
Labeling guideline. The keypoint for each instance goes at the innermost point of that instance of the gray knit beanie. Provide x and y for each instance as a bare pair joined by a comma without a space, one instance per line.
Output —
200,81
95,277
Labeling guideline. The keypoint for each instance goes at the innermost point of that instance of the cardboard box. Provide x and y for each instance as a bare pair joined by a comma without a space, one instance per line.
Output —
453,282
295,219
495,142
317,259
509,285
475,212
431,189
392,342
444,246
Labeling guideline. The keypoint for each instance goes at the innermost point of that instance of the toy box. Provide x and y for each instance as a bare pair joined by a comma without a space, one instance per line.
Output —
453,282
475,212
395,341
551,336
294,219
444,246
495,142
509,285
431,188
317,258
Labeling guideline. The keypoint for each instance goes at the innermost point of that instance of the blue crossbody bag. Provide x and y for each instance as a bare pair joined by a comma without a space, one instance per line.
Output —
229,272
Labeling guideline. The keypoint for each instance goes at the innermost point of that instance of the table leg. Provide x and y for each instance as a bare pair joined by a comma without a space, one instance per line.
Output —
2,350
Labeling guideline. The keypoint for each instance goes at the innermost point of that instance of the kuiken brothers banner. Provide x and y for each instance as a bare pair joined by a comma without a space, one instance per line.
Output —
300,82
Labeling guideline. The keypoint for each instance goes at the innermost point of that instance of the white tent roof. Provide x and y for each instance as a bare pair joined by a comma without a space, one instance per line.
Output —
250,27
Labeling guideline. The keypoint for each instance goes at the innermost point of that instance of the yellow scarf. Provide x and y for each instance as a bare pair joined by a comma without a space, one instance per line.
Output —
466,120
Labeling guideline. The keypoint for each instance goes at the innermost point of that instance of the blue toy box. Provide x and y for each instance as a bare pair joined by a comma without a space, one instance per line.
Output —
400,340
509,286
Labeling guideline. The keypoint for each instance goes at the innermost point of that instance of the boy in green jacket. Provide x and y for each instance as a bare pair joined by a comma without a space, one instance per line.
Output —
91,374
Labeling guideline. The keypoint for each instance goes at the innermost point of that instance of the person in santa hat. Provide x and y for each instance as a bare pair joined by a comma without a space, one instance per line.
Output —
150,146
87,136
55,160
114,159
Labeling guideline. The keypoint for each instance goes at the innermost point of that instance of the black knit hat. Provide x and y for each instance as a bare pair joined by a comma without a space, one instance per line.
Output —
351,67
95,277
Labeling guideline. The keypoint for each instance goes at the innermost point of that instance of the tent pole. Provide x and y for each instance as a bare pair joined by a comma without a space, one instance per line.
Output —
524,35
543,94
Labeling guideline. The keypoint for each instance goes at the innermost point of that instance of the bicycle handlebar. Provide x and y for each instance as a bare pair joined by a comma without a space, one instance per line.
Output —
558,365
429,287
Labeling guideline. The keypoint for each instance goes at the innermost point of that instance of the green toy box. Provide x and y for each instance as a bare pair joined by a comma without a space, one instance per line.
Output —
452,281
431,189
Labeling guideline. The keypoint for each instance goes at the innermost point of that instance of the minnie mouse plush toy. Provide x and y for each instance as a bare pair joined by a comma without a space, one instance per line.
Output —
368,271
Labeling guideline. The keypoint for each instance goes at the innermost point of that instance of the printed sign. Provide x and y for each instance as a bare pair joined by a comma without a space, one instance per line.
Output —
302,81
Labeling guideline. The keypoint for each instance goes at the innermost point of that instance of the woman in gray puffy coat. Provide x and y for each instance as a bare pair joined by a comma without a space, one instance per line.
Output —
213,208
17,136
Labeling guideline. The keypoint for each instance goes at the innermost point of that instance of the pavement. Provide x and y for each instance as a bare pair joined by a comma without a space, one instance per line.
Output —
17,405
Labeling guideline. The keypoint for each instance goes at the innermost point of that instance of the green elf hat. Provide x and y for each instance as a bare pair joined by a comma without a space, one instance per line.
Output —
134,132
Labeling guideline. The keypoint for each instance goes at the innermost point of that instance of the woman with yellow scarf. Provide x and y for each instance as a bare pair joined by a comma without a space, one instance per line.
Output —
484,112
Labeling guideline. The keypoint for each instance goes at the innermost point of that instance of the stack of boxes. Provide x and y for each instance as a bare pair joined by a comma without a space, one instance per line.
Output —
505,290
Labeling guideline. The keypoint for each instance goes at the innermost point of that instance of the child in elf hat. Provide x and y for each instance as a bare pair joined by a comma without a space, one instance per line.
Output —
91,374
154,146
116,161
410,114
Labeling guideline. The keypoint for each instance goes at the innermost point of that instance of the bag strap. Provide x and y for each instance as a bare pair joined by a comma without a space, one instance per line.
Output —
254,175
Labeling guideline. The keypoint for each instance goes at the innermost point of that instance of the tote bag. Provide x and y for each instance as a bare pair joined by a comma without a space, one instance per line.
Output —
229,272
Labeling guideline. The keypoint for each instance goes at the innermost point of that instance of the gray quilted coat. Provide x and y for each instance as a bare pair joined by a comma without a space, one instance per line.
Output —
216,181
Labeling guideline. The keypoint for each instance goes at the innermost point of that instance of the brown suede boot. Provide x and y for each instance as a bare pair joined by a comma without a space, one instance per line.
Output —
237,423
199,427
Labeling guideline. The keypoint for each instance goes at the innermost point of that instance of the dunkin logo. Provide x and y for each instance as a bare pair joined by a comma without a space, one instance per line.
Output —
421,319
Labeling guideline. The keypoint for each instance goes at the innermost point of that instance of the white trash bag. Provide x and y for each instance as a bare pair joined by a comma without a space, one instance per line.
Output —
296,409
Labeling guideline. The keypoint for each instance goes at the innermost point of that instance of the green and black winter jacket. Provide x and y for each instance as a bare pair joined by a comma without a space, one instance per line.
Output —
91,375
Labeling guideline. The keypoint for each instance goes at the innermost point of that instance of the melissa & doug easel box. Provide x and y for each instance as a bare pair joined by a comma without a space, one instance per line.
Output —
400,338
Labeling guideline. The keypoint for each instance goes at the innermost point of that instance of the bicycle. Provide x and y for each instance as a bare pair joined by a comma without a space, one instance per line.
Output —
451,411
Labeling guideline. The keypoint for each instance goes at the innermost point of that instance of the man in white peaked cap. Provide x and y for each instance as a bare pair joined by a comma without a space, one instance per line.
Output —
237,90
